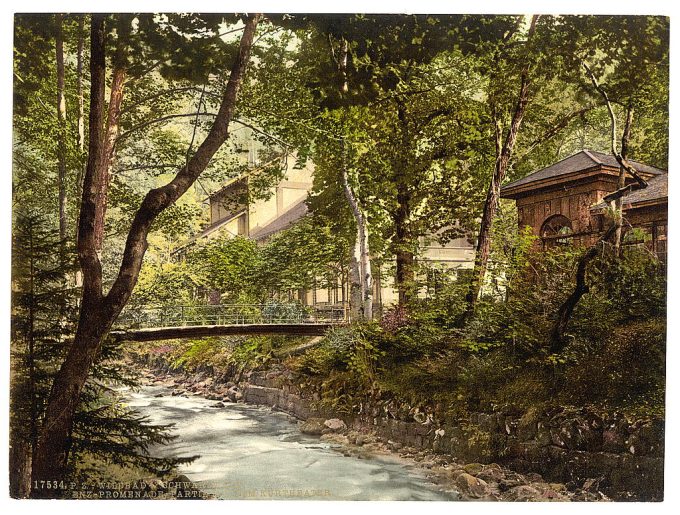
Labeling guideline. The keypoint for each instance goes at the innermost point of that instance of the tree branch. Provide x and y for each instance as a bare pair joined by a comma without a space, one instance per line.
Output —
566,310
159,199
160,119
623,162
554,130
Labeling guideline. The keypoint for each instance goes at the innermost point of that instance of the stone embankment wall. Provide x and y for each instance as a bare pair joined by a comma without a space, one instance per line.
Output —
581,448
620,457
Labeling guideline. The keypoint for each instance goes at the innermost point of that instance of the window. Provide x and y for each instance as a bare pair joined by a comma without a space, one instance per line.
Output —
556,230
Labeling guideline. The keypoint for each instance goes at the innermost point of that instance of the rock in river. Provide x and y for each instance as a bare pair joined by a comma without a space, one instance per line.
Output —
313,426
335,424
471,485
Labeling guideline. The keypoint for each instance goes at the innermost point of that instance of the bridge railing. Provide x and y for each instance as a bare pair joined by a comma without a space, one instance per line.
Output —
229,314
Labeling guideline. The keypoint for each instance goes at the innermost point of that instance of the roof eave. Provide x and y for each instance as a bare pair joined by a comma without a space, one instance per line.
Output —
513,192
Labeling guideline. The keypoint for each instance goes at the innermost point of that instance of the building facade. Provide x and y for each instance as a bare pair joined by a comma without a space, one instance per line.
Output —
563,203
231,214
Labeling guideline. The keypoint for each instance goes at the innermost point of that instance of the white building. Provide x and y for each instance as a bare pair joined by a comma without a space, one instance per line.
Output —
232,214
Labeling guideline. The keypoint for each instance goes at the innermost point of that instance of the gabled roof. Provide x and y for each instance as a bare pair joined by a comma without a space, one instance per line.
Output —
280,223
583,160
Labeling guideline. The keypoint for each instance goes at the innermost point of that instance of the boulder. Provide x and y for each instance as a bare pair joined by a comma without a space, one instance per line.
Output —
335,424
491,473
312,426
471,486
395,446
652,434
523,493
613,440
527,426
233,394
473,468
453,473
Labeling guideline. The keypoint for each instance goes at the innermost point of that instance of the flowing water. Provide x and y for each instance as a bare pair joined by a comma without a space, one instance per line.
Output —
252,452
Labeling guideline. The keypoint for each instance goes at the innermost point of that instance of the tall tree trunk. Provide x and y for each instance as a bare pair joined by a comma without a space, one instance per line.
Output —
503,154
81,104
403,240
61,128
120,63
361,275
405,275
19,465
98,311
108,158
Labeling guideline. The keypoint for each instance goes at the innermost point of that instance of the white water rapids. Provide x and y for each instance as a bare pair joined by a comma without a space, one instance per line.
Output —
252,452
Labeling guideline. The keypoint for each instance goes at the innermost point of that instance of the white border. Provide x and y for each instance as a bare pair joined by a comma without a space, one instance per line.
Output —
657,7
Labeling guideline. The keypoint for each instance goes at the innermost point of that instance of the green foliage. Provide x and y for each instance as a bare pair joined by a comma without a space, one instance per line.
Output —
229,265
254,352
500,359
43,309
44,312
205,352
624,369
306,255
351,349
237,353
173,283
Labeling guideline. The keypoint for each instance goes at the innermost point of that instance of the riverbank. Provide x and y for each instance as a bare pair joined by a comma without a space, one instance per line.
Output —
473,480
244,451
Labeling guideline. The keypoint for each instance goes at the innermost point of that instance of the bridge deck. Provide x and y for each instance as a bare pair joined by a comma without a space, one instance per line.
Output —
201,331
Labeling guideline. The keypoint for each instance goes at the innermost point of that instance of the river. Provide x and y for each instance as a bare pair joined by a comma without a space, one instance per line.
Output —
252,452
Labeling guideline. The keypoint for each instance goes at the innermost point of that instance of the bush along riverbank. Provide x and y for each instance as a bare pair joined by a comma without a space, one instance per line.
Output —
542,454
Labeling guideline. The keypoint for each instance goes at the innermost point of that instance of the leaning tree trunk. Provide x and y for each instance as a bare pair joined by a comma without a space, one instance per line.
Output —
566,310
61,128
98,311
366,272
483,249
355,286
503,155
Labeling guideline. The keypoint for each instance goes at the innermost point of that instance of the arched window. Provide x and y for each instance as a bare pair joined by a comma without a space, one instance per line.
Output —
556,230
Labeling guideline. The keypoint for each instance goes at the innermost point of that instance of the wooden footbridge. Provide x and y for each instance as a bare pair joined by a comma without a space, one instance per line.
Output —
198,321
